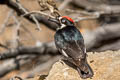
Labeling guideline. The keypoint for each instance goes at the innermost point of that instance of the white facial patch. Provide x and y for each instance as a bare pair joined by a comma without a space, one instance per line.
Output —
63,25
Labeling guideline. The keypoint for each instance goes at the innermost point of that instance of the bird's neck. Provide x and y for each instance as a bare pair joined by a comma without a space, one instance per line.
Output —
63,25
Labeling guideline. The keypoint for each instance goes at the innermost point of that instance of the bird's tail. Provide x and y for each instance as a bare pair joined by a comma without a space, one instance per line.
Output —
85,71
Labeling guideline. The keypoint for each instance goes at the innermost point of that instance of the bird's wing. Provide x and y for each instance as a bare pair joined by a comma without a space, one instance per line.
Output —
74,49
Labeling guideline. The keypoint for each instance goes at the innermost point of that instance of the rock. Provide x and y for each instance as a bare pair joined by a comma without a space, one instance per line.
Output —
106,66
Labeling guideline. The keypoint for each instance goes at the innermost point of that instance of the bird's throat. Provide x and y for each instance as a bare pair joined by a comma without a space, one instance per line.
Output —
61,27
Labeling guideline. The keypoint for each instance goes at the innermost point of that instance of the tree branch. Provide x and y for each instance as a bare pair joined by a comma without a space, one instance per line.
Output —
91,5
105,32
11,64
38,50
40,18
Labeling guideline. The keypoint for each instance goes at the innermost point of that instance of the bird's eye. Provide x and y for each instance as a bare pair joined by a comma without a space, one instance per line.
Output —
63,20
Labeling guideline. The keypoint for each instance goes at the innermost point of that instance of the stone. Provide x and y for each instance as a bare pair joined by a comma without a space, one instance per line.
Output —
106,66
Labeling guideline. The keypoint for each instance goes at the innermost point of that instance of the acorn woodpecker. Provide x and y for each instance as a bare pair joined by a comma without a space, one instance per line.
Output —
69,41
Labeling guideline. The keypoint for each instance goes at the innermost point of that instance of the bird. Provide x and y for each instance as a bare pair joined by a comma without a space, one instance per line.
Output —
69,41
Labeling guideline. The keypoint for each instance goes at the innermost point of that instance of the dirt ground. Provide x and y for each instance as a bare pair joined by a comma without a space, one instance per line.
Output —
106,66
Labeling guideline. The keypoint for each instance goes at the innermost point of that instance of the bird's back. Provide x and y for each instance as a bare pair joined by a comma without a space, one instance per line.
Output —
71,41
69,33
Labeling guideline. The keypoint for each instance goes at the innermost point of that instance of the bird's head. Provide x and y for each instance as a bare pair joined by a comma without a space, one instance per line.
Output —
66,21
63,21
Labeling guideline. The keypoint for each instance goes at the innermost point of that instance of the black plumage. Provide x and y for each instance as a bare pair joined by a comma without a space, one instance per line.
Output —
69,41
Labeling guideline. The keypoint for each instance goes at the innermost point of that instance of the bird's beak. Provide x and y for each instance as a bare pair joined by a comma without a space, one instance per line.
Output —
54,20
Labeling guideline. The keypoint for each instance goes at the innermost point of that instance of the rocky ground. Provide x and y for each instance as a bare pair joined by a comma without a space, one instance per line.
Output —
106,66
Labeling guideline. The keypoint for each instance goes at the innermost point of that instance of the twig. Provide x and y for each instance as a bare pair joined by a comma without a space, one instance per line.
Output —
91,5
38,12
13,5
26,12
88,15
81,12
37,50
10,64
37,23
109,46
85,18
105,32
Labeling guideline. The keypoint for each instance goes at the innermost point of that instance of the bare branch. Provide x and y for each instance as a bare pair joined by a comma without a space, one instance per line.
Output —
38,12
38,50
115,45
33,17
91,5
105,32
39,17
11,64
85,18
87,15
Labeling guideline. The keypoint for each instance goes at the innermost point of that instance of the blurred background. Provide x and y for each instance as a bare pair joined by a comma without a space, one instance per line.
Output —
26,51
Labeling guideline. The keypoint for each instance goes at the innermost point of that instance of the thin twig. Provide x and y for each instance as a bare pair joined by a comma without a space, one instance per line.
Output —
92,5
40,49
13,5
37,23
10,64
85,18
98,13
38,12
26,12
88,15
